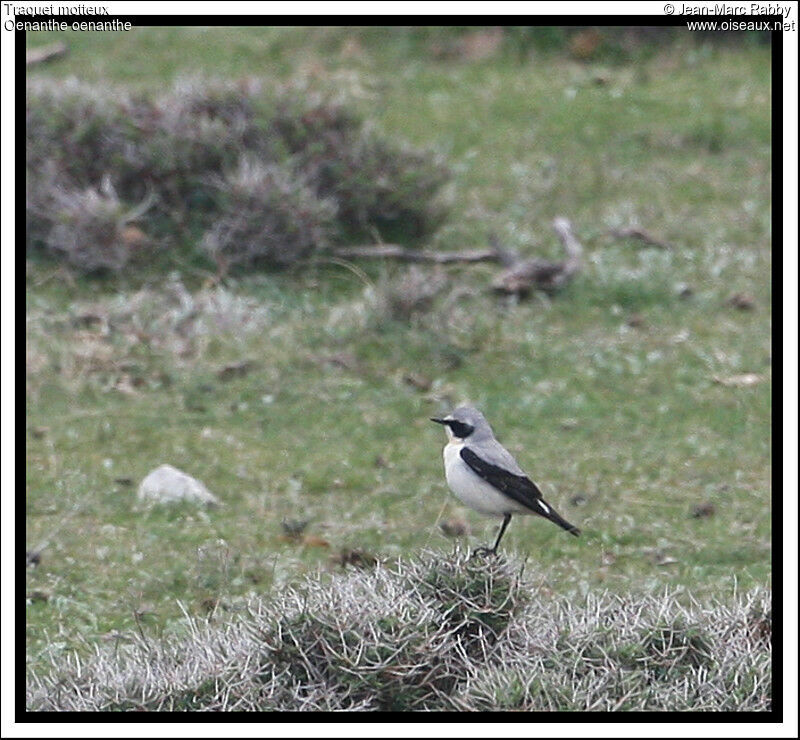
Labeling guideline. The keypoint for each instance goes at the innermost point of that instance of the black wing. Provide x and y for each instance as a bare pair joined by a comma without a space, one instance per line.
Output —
518,487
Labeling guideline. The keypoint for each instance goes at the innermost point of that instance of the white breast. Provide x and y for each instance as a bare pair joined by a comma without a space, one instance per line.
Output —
472,490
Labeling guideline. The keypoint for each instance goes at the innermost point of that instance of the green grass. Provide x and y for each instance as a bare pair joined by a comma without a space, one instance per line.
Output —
628,419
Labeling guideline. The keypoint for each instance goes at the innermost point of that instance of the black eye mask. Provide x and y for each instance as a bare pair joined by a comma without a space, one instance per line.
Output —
460,429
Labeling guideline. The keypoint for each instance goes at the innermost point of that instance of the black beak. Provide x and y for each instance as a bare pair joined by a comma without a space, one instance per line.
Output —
439,421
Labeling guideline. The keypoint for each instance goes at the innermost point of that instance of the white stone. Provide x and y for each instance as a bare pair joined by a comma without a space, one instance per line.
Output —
168,485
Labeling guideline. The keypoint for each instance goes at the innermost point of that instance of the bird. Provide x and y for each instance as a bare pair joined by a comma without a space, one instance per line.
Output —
484,475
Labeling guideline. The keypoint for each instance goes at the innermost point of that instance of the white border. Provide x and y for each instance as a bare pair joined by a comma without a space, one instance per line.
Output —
789,494
416,729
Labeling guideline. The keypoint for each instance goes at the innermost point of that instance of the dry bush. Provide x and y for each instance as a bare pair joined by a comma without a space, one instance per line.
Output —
387,638
41,189
232,102
630,653
86,130
435,632
394,188
90,228
311,165
270,216
194,132
168,143
396,640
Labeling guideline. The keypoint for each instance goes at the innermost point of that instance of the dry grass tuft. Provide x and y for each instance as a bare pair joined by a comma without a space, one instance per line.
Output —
410,295
125,337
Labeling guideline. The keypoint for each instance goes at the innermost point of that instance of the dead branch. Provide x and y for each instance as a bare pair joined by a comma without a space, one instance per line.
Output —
519,277
45,53
393,251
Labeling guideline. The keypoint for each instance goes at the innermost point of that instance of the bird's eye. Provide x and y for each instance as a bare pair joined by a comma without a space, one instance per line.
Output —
460,429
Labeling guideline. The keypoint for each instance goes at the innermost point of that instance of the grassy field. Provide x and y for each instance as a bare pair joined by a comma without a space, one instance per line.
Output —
609,394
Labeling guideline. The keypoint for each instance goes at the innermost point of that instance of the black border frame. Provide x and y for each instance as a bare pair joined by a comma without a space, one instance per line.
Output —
776,715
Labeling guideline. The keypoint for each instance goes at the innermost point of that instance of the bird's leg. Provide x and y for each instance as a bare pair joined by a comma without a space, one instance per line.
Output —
493,550
506,520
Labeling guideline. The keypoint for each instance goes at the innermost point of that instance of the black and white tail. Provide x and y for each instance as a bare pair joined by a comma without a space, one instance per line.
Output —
548,512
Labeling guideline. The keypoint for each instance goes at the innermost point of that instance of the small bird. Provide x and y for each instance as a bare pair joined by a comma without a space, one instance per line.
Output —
484,476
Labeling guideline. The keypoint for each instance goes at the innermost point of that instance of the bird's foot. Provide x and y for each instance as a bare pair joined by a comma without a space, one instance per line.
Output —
483,551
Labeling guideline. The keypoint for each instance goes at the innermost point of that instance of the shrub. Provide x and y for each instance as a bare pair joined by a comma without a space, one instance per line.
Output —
629,653
91,229
86,131
311,167
41,188
192,134
393,188
140,142
396,639
435,632
269,216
